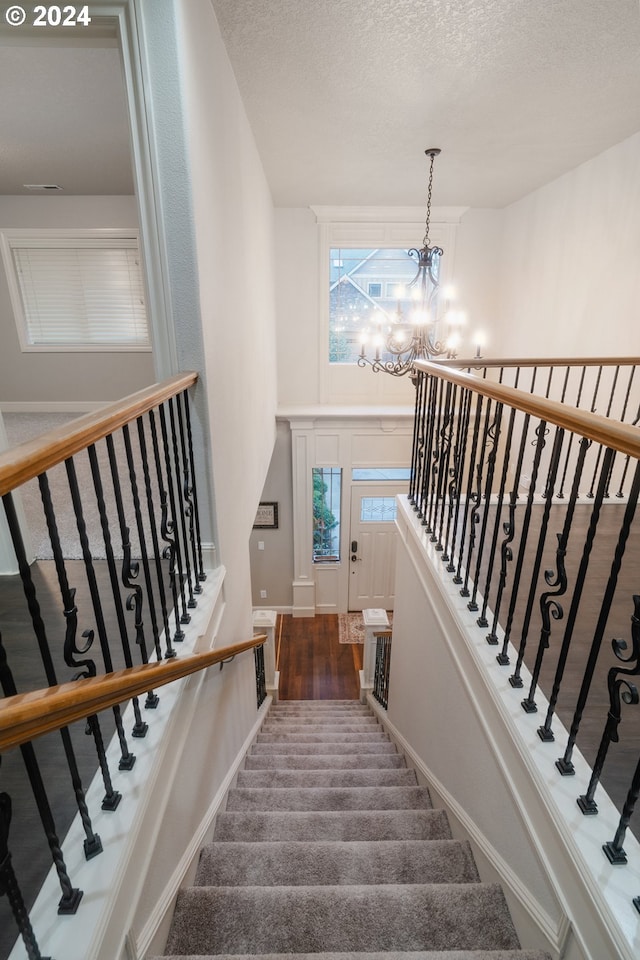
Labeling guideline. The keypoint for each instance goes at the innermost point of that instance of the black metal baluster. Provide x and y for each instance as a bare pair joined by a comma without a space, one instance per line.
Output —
620,492
139,728
169,651
261,683
431,454
436,463
604,613
425,450
459,457
194,492
613,848
167,529
447,433
621,689
127,759
570,444
494,435
539,444
528,705
9,883
482,619
71,896
188,495
186,573
476,499
506,553
92,842
130,569
564,764
135,496
185,616
549,605
417,434
472,462
593,410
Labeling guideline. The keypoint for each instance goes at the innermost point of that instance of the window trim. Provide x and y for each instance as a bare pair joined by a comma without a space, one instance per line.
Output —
10,237
372,227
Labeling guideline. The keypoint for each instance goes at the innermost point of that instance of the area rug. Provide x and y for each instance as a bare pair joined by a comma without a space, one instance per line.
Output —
351,627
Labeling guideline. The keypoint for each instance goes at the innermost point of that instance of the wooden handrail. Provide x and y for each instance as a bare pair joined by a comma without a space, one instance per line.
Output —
480,362
34,457
619,436
29,715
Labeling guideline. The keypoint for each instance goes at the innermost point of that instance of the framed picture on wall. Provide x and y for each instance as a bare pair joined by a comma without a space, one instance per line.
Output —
267,516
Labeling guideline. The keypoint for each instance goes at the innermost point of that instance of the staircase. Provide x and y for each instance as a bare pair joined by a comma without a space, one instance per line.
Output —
329,848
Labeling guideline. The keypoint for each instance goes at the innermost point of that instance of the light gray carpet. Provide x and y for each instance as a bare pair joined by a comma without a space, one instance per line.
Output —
330,850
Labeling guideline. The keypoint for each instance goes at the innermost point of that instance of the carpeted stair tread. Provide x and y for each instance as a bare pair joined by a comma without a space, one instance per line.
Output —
330,862
330,761
342,825
328,798
377,736
327,778
336,749
313,918
396,955
328,849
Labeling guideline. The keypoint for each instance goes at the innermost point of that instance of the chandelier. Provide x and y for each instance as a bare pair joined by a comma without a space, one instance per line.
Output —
421,328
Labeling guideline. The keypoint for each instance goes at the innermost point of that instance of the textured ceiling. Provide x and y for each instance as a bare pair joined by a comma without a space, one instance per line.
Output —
63,118
344,96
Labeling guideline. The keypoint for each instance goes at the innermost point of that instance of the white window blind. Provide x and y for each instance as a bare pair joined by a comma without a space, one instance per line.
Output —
83,293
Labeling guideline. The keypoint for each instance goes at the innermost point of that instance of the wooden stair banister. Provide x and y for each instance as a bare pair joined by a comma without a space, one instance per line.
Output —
29,715
623,437
30,459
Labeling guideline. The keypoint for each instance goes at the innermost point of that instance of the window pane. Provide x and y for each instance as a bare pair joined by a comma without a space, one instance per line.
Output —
364,285
377,509
327,484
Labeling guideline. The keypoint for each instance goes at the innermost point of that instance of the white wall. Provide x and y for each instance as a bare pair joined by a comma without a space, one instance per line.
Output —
569,262
298,278
272,567
232,220
65,377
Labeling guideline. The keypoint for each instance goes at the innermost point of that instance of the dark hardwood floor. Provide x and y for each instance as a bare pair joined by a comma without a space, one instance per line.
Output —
313,664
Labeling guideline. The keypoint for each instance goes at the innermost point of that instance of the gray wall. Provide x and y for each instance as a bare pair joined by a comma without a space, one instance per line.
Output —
272,568
65,377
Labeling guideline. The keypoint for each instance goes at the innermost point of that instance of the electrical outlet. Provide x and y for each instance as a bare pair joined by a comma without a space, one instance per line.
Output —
263,594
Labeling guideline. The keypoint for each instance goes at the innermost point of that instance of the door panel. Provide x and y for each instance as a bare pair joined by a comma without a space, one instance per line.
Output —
373,537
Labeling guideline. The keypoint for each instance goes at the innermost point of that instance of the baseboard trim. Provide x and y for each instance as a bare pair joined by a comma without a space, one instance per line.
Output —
555,935
139,946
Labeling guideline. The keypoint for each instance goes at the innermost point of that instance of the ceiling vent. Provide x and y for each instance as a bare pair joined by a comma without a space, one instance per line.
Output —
41,186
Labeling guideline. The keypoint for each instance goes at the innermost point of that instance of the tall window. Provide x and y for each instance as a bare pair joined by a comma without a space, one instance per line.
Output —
76,292
364,288
327,488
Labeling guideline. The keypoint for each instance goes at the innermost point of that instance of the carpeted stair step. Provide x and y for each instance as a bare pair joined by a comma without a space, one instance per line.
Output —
312,918
308,724
377,736
342,825
328,761
335,749
328,849
327,778
292,863
397,955
328,798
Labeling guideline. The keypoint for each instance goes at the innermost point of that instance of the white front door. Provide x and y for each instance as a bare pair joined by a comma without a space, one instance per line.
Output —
372,543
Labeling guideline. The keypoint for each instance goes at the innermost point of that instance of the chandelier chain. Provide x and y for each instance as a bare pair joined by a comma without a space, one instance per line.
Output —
425,241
